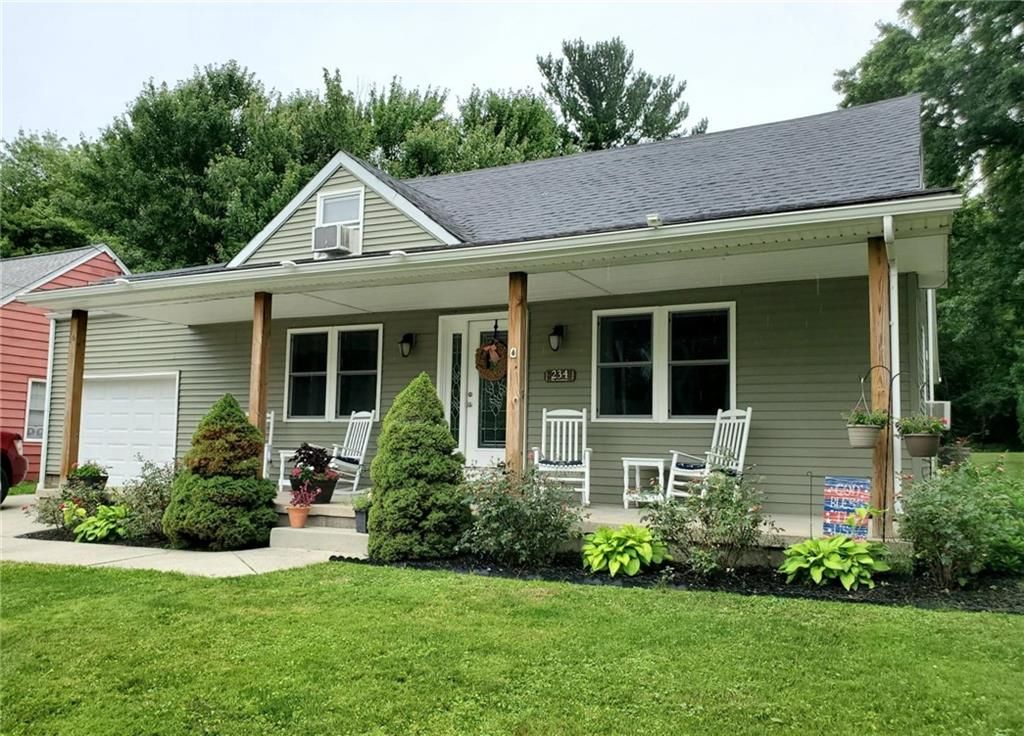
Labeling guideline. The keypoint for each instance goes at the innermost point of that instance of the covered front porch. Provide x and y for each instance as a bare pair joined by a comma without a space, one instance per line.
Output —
809,306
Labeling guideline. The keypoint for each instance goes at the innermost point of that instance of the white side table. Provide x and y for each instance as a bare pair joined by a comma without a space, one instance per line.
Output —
641,496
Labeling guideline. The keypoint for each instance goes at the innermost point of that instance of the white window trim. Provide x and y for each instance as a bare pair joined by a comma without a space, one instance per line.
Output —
660,413
28,407
331,194
330,401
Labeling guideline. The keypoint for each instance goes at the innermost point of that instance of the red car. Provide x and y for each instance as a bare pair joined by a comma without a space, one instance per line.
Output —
13,461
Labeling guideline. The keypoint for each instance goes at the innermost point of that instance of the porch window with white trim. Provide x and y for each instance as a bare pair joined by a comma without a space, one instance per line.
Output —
699,363
357,371
625,366
333,371
35,410
673,363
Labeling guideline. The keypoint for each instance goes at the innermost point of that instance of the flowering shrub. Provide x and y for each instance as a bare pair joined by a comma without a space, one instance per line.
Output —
304,495
146,498
712,530
521,521
49,510
964,520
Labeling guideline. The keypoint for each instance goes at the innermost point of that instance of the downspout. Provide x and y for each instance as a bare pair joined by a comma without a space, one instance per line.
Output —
44,447
896,399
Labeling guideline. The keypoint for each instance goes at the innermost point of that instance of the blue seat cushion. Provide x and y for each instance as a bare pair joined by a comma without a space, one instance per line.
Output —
691,466
562,463
348,460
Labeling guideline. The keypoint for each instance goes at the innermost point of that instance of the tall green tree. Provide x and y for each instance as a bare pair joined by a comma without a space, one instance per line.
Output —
606,102
40,196
968,60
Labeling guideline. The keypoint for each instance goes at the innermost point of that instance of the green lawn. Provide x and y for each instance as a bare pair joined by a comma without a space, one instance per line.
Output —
347,649
24,488
1013,461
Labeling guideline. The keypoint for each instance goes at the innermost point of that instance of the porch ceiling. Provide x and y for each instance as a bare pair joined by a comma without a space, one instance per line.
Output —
919,254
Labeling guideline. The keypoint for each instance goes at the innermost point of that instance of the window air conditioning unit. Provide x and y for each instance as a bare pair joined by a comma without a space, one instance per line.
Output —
336,239
940,409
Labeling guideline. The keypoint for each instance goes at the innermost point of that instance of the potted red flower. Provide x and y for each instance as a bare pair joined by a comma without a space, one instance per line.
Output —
303,498
312,466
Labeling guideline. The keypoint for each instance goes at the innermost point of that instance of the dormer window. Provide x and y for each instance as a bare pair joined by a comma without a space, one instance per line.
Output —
343,208
339,223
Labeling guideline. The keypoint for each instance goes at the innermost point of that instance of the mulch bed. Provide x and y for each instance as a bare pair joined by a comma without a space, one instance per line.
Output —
996,594
62,535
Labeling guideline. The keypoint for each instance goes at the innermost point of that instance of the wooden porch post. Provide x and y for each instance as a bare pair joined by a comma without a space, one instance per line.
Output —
258,368
881,381
73,408
515,419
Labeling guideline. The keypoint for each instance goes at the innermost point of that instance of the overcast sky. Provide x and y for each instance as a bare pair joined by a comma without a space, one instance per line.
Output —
72,67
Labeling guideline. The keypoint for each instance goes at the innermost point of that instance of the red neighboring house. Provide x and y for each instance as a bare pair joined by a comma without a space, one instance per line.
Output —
25,334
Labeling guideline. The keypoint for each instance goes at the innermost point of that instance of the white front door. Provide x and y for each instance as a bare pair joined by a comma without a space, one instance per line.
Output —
125,417
474,406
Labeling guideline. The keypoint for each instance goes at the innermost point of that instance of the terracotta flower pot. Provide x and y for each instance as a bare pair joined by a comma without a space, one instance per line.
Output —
297,516
921,445
863,436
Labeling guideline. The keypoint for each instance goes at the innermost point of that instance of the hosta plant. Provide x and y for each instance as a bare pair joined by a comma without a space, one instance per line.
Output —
629,548
108,520
849,561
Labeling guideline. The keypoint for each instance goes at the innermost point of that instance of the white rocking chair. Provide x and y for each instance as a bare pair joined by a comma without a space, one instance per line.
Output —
727,454
563,453
347,459
268,446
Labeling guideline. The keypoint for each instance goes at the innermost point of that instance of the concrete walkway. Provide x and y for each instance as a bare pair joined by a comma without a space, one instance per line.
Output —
13,521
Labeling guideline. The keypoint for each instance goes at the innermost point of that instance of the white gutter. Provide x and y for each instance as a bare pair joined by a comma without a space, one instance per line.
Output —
538,251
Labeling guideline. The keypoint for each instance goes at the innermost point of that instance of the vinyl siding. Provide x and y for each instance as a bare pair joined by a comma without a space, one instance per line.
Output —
801,348
384,227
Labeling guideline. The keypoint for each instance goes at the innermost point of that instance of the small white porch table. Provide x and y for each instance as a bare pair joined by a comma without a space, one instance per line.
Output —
636,464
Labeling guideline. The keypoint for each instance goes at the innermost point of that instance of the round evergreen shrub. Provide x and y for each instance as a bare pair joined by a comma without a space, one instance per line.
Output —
225,443
220,512
218,501
419,510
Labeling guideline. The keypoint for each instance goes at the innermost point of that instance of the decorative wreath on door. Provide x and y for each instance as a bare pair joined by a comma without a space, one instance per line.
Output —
492,360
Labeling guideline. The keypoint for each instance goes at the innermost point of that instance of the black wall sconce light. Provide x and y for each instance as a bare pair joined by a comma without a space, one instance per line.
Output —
556,337
406,343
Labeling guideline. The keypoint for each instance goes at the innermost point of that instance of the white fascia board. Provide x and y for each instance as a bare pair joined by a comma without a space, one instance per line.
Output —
513,255
369,179
95,251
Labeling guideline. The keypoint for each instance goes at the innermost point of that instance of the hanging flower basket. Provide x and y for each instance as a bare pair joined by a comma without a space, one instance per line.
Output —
492,361
864,426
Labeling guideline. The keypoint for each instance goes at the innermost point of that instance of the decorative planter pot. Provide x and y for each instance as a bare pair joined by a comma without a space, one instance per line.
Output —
921,445
326,488
361,517
297,516
863,436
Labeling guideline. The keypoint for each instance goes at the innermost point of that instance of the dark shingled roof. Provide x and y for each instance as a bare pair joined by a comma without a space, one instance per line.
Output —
857,154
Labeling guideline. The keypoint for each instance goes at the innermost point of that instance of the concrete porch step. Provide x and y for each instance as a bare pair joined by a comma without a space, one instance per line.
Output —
334,515
345,542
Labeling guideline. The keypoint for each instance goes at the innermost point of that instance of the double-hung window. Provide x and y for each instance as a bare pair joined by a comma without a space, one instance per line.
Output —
333,371
664,363
35,410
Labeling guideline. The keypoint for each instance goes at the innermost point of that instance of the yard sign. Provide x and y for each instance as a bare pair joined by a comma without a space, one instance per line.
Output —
843,496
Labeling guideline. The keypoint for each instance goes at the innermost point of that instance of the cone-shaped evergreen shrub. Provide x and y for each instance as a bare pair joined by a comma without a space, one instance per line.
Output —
217,501
225,443
418,508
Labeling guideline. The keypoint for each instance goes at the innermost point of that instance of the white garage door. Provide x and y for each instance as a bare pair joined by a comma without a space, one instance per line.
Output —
127,416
